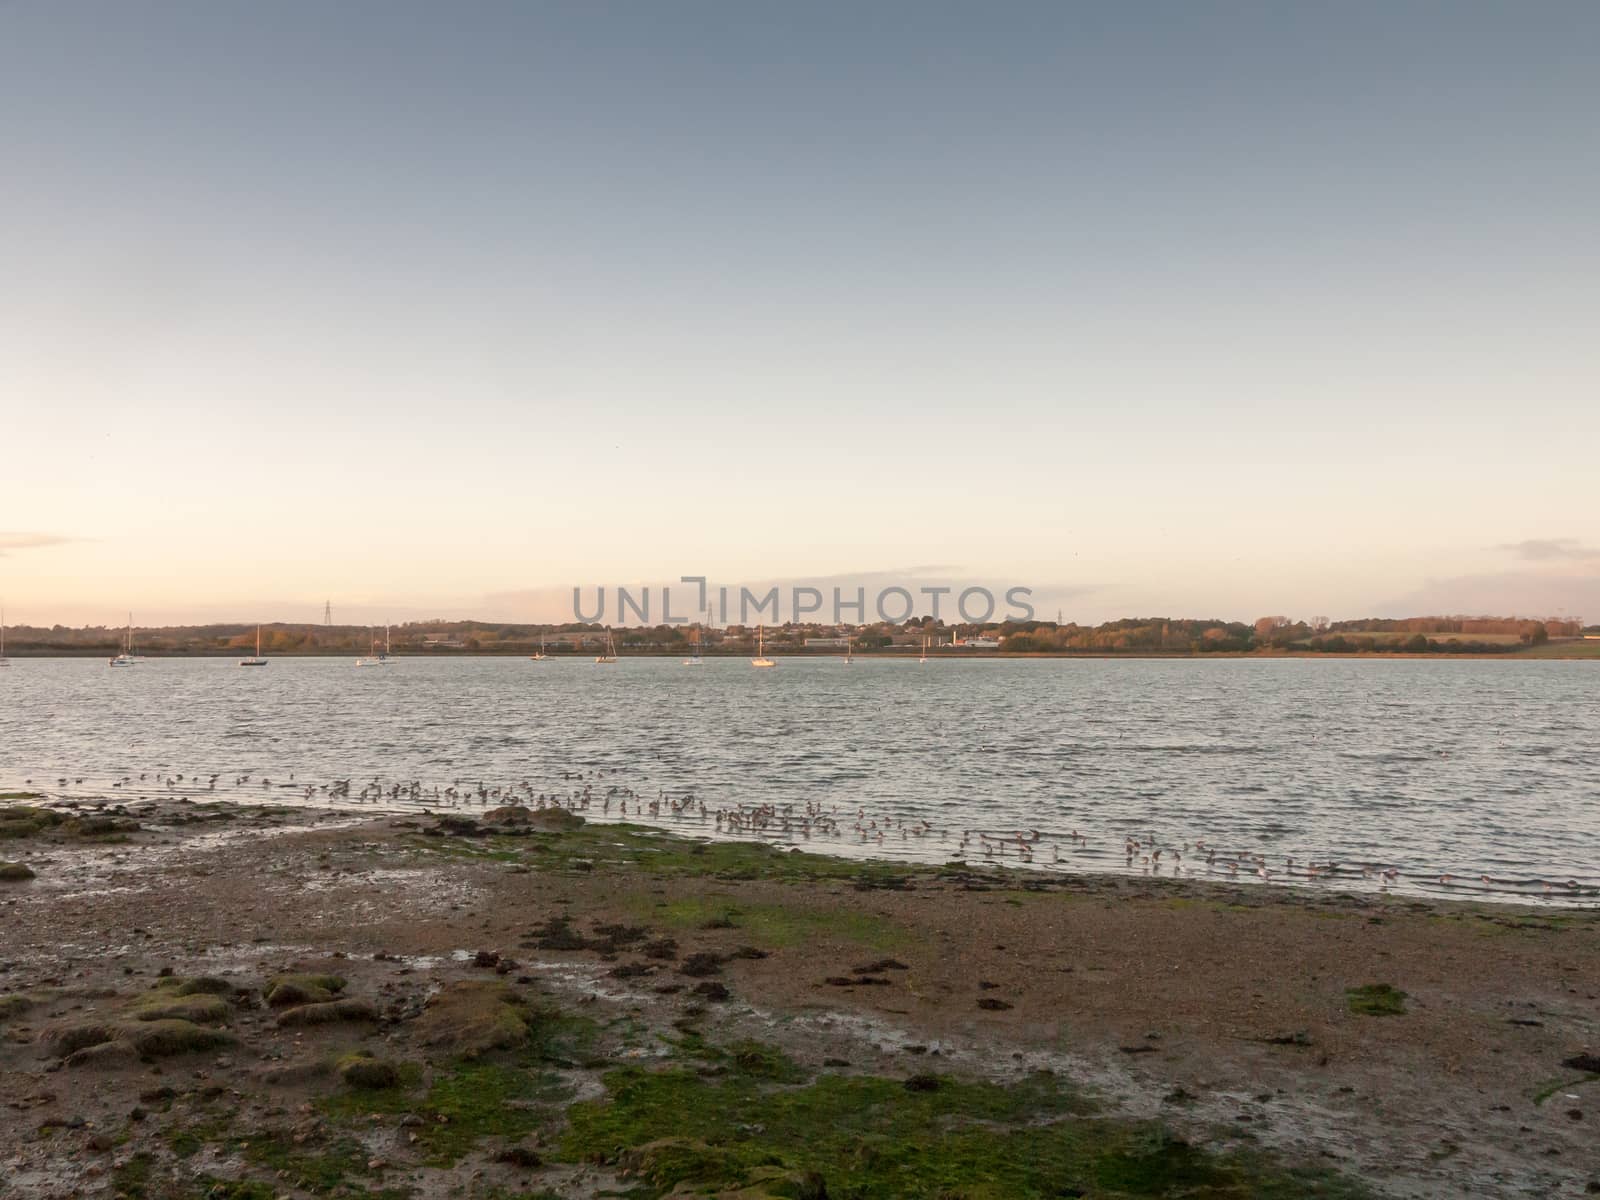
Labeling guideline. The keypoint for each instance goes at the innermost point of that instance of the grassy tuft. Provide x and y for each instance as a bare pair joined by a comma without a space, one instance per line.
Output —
470,1018
161,1004
326,1013
286,990
362,1070
163,1038
198,985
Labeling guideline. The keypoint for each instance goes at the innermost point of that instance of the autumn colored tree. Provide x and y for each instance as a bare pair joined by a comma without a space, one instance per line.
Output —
1267,627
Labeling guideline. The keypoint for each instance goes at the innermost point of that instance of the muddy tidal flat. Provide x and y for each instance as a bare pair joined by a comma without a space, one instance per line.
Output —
253,1002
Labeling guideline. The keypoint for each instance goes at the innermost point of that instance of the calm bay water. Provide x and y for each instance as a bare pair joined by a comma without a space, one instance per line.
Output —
1429,768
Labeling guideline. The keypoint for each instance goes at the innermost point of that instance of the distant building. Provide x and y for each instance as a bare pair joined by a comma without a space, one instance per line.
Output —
828,642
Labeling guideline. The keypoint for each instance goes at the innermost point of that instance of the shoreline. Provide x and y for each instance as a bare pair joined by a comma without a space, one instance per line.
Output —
1371,1045
910,653
1553,895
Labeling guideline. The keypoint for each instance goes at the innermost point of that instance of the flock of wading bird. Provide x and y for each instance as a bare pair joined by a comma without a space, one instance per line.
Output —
595,793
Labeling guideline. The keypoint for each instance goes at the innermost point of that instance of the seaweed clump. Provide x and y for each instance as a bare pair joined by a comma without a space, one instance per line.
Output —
1376,1000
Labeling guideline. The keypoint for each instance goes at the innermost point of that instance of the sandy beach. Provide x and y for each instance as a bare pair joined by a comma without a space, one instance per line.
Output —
245,1001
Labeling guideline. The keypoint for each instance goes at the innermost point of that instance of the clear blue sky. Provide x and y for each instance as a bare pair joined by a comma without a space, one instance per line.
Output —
1189,308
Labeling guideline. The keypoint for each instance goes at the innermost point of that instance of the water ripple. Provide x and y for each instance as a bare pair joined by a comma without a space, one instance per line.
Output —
1439,770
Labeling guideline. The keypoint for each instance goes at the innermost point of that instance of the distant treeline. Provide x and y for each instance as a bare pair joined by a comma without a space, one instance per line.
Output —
289,639
1138,634
1130,635
1520,626
1411,635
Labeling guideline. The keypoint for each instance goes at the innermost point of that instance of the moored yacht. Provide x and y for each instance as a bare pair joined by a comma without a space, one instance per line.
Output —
761,659
373,657
128,658
257,661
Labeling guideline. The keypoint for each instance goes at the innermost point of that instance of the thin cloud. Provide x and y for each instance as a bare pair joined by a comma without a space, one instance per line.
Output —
1551,550
1501,594
12,542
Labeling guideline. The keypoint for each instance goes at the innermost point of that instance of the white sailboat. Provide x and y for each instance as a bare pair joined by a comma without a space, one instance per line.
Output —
697,636
849,645
373,658
610,656
541,656
128,658
257,661
924,657
761,659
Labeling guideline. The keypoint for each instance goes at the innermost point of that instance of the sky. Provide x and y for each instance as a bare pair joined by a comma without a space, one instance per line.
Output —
1189,309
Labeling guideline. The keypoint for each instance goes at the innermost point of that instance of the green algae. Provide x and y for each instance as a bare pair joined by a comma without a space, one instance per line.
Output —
468,1099
22,820
461,1106
1549,1089
319,1170
131,1179
1376,1000
869,1138
668,854
779,925
748,1057
483,1100
334,1165
235,1189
